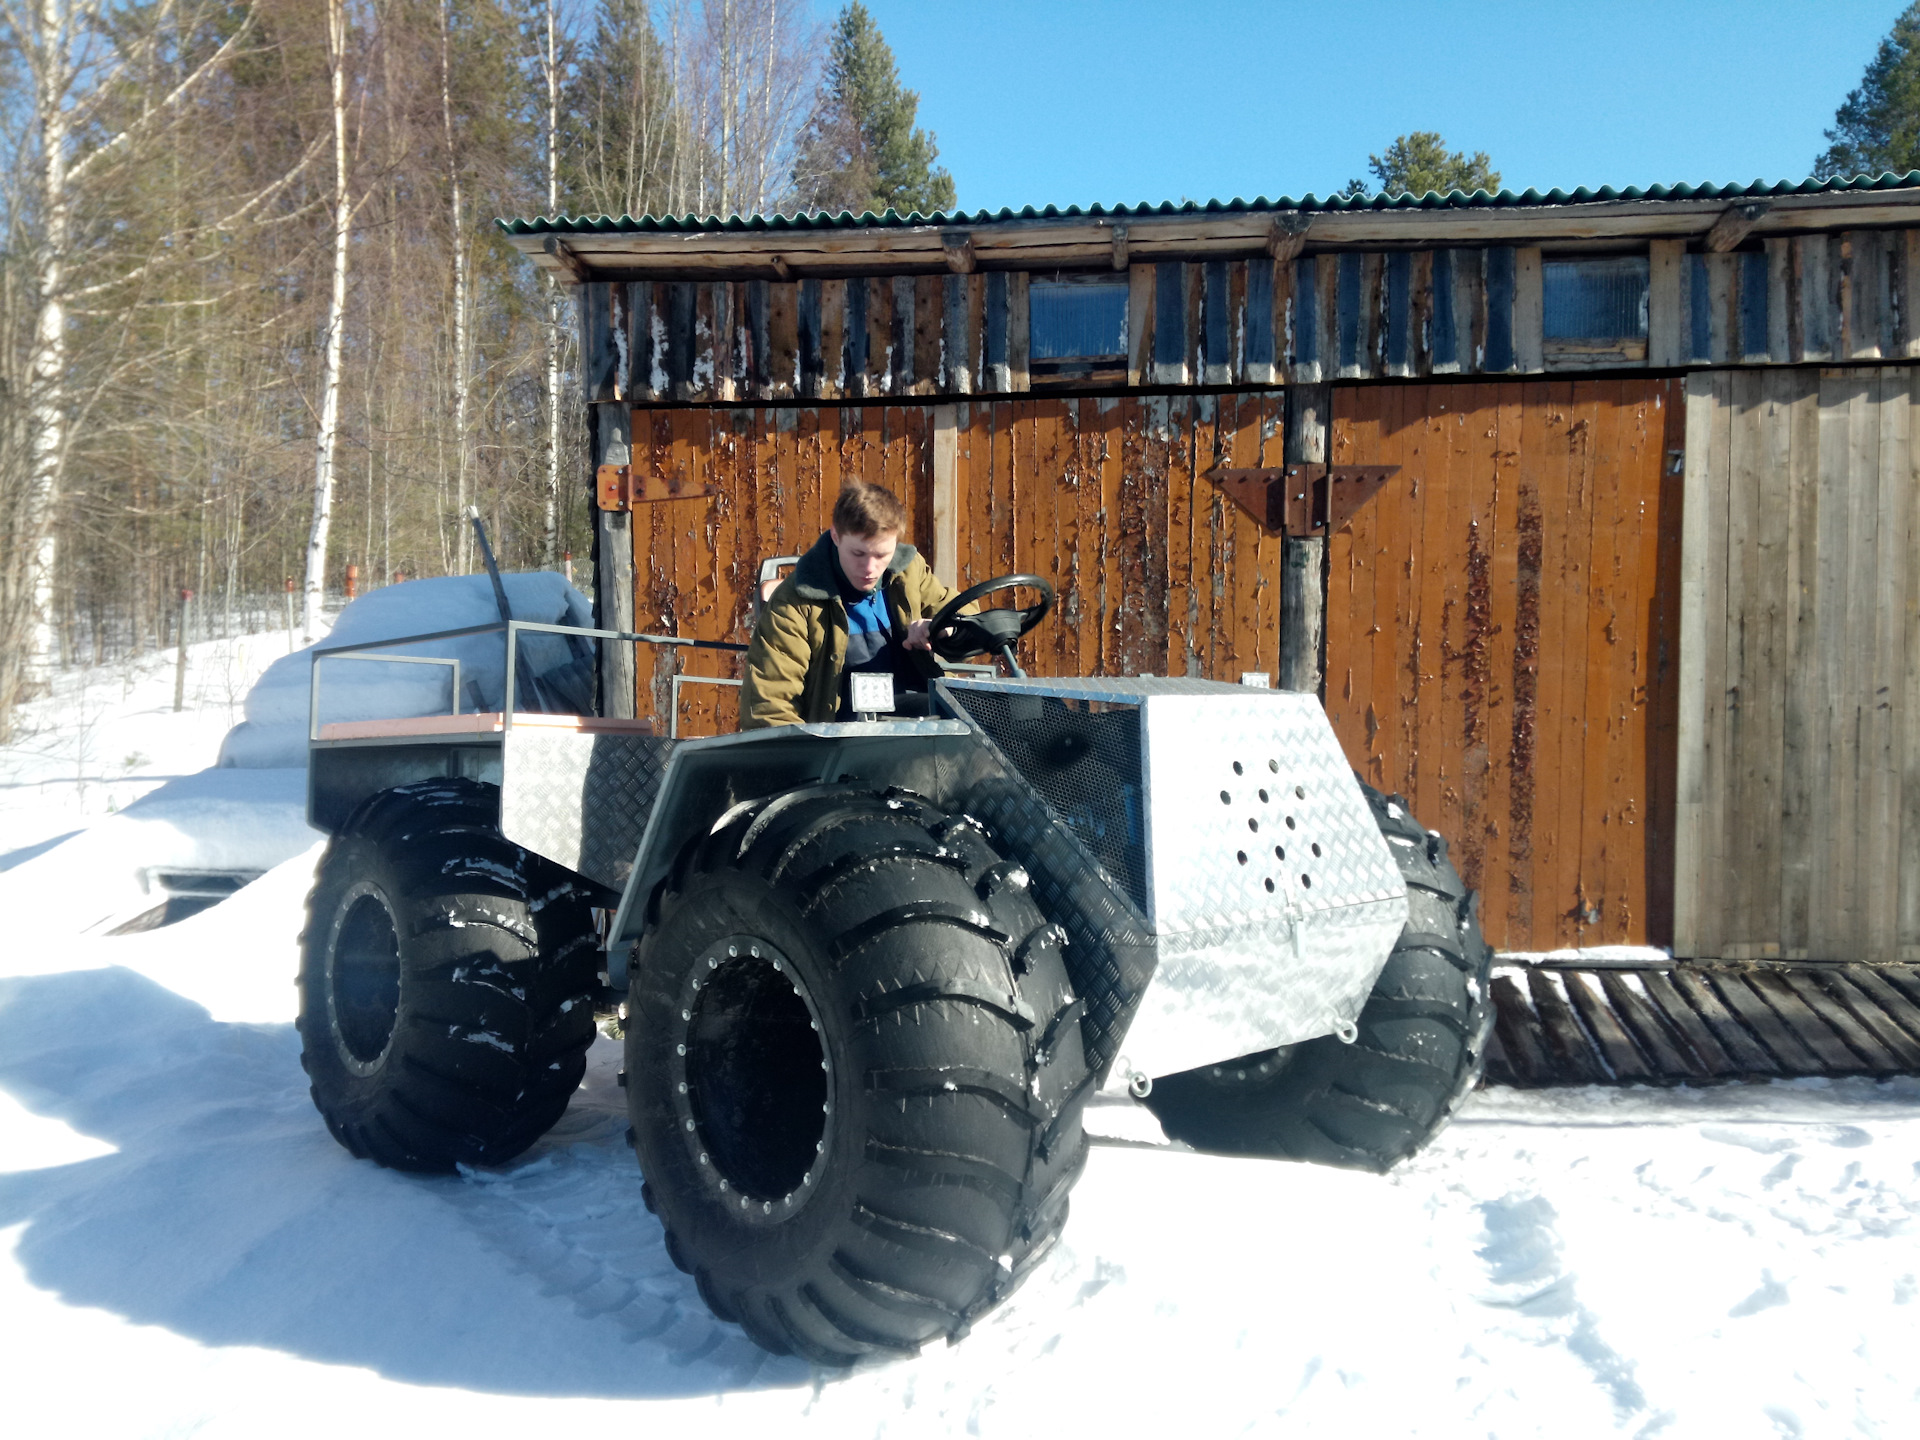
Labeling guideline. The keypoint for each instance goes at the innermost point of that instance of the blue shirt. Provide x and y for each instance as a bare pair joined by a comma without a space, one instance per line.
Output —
869,634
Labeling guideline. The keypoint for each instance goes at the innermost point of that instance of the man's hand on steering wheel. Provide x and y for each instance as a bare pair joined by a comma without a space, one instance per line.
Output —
987,632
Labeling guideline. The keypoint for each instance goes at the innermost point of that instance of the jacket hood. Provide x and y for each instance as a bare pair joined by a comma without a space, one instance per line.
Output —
813,579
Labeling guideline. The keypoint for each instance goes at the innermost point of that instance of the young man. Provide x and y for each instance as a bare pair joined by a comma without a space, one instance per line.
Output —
858,600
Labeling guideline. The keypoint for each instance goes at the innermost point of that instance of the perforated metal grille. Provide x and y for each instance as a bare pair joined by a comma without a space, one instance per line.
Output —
1084,757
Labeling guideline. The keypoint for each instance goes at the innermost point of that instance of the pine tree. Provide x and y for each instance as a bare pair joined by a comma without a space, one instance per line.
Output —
861,150
1878,127
618,140
1417,163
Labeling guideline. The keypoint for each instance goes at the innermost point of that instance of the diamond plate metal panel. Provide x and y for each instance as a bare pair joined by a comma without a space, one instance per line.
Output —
1271,900
1255,817
1258,986
582,801
1274,898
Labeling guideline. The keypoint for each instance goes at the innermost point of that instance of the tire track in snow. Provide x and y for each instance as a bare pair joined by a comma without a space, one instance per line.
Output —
1522,1254
570,1216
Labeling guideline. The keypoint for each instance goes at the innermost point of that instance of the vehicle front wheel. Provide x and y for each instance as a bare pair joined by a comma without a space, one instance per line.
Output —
854,1073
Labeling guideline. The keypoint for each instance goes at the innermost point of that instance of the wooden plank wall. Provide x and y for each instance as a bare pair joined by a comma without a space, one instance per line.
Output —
1156,571
1500,630
1799,819
1334,315
1107,497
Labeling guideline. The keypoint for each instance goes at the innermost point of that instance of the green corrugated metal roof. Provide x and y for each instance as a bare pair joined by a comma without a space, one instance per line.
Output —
1452,200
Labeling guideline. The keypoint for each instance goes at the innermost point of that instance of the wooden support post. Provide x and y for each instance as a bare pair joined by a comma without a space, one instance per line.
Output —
180,670
946,495
1303,563
613,565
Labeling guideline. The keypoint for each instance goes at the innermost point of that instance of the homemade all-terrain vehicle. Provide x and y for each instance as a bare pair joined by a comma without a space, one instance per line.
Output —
872,973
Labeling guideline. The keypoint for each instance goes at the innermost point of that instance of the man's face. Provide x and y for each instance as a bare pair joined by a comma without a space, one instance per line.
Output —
864,558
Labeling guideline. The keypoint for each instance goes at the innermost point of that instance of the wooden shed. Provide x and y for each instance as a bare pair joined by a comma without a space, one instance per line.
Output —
1635,622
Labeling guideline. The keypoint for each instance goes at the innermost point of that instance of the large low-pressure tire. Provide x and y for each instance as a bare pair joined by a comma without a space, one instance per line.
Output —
1421,1043
854,1071
447,982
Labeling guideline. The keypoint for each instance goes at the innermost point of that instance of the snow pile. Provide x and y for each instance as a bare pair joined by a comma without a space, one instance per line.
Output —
106,789
108,735
274,732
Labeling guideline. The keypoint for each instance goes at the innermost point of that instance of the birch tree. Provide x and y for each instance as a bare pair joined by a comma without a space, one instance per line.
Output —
104,85
462,301
327,431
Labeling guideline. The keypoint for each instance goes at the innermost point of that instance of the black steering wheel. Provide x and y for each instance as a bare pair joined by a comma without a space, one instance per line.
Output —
989,632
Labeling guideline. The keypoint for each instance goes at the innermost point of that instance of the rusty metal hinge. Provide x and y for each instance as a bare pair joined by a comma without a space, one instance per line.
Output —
615,488
1304,499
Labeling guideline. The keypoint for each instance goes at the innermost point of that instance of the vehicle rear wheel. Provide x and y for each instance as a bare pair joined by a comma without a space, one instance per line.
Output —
447,982
1421,1044
855,1073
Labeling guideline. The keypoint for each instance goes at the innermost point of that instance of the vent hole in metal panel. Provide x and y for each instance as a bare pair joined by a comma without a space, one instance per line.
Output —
1243,856
1299,792
1279,852
1253,825
1269,884
1306,882
1316,849
1237,769
1225,798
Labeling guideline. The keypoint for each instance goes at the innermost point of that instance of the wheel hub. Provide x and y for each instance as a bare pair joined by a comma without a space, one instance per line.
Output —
755,1082
364,994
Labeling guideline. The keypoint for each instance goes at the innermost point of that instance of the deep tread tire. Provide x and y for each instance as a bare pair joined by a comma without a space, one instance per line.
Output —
926,1168
1421,1045
447,982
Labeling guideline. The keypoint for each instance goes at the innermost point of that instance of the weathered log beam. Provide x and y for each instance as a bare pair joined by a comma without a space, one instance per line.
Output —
569,264
1736,222
1288,237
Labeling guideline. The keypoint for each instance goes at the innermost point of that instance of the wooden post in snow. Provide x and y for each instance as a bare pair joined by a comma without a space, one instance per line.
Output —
613,564
180,669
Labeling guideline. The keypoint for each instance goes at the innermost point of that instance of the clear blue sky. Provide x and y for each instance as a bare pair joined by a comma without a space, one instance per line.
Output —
1046,102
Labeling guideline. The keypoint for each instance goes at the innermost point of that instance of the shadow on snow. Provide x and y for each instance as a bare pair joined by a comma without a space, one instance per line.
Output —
231,1217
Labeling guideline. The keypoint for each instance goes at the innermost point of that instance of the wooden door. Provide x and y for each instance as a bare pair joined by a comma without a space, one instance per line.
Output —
1800,701
1502,627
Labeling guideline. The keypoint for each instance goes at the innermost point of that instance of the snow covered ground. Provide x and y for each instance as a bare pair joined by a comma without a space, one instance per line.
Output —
183,1249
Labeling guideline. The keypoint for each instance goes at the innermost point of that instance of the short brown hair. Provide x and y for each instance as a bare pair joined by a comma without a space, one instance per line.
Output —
867,510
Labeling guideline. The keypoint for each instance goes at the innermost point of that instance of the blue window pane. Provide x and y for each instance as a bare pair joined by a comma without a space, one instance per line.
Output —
1067,322
1595,299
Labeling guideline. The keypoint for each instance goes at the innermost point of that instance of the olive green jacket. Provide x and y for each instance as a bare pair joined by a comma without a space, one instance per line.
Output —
800,645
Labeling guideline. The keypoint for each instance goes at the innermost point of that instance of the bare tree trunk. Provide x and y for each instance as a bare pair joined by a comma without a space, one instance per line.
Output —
326,440
462,382
47,375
